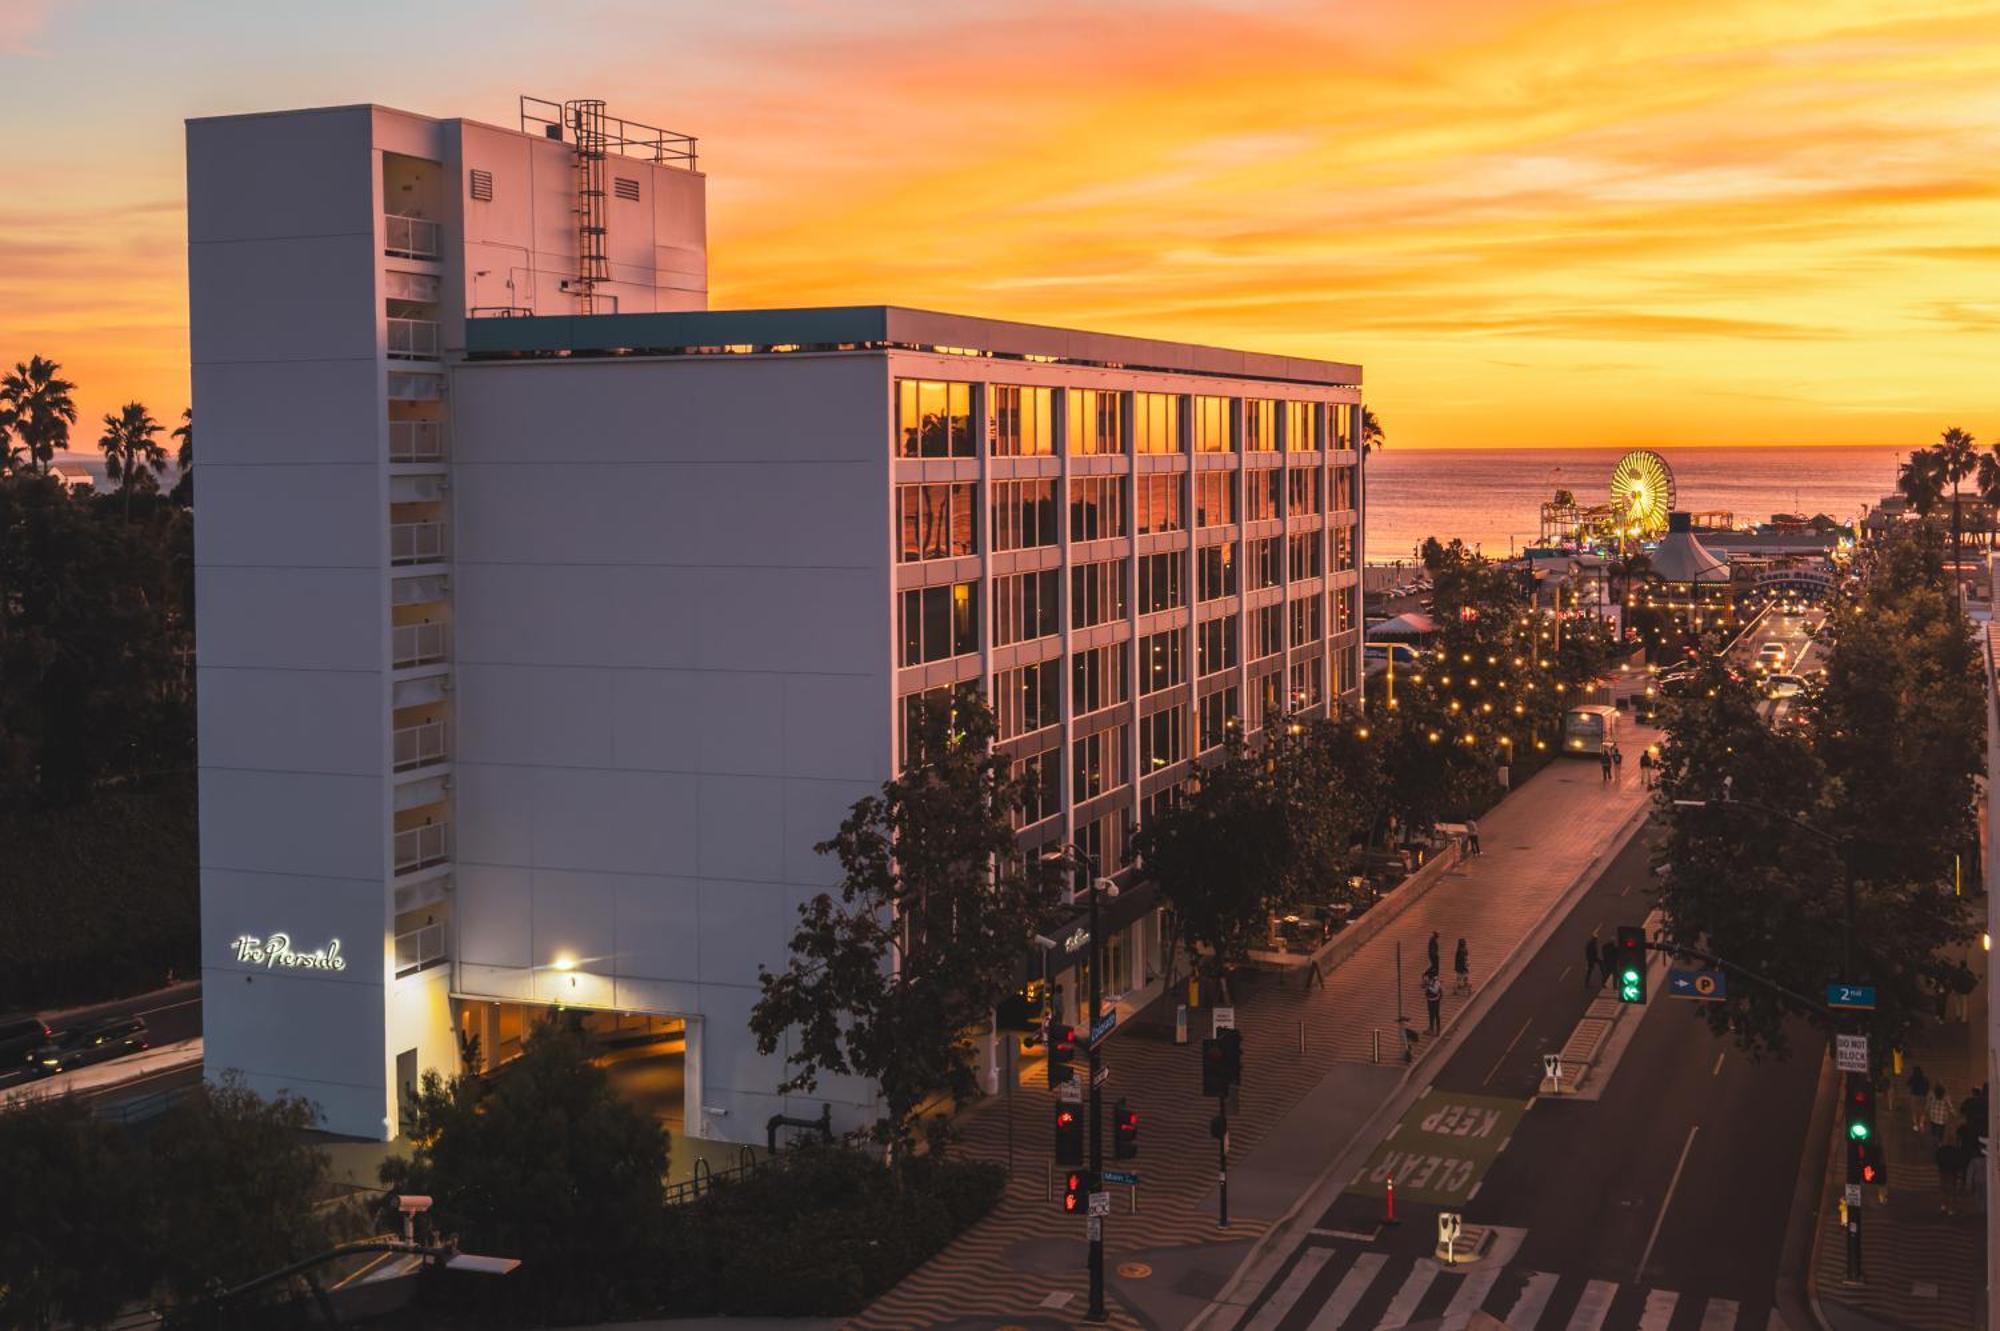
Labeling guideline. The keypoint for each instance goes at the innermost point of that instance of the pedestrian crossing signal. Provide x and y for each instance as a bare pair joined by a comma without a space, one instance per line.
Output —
1062,1054
1078,1184
1124,1132
1069,1136
1865,1160
1631,964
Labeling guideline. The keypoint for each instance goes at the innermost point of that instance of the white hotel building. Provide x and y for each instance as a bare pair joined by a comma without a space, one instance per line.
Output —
548,619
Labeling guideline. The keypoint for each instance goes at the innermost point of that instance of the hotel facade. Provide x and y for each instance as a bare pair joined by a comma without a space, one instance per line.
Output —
549,619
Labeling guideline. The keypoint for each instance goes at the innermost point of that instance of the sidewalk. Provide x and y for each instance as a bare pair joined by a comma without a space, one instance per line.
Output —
1309,1083
1920,1267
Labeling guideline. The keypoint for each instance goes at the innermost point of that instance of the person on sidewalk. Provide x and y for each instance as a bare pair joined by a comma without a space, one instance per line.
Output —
1589,960
1938,1111
1472,836
1434,952
1434,998
1461,966
1920,1090
1604,762
1617,764
1646,768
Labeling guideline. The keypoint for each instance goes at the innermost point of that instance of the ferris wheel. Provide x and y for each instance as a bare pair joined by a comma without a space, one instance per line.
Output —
1642,490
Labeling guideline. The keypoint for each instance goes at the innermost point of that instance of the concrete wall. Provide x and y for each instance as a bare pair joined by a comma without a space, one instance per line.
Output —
290,550
672,611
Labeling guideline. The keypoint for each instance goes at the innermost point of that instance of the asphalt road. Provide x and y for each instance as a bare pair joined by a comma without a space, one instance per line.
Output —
1661,1205
171,1015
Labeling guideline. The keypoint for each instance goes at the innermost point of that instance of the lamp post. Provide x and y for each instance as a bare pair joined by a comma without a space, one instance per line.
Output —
1086,864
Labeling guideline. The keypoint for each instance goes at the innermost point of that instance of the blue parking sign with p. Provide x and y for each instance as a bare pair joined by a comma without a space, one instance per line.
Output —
1710,986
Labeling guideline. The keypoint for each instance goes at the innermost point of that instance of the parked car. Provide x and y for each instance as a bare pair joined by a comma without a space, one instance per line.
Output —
96,1042
21,1039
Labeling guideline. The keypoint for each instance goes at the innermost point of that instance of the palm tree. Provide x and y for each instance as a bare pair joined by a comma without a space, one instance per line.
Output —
1372,437
39,407
1921,481
1958,457
1626,570
1987,482
184,459
130,447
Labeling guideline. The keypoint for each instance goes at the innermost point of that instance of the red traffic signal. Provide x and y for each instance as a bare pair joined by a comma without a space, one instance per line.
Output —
1078,1184
1069,1136
1062,1052
1124,1132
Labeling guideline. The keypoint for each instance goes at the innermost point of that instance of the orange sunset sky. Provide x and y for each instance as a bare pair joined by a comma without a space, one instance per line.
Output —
1548,222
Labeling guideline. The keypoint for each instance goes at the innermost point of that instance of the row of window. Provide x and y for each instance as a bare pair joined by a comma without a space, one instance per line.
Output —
935,419
937,623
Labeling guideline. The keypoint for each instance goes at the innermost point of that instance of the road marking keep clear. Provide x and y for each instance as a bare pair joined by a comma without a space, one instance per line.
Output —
1441,1148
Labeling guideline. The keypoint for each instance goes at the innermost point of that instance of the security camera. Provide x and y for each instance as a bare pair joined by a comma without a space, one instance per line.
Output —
1045,944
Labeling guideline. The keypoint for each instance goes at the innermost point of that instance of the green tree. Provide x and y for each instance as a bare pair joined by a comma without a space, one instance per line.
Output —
544,1162
71,1198
1372,437
133,454
183,491
1958,457
39,409
927,932
1921,481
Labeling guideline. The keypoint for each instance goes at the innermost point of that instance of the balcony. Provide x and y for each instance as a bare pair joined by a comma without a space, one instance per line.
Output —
419,746
413,339
418,644
416,441
409,237
416,542
419,949
421,847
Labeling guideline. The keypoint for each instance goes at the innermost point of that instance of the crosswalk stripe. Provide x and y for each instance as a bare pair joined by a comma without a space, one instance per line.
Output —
1348,1292
1287,1295
1590,1309
1404,1305
1719,1315
1659,1310
1472,1292
1527,1309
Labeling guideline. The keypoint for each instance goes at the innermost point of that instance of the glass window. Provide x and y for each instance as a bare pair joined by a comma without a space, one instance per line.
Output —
1027,698
1096,593
1162,661
1341,417
1308,683
1343,549
1161,501
1210,417
1267,697
1098,678
1040,775
1024,607
1096,508
1216,714
1093,422
937,521
940,622
1160,582
1215,646
1302,421
1260,426
1156,422
1302,491
1162,739
1343,609
1099,762
1215,571
1108,841
1214,499
1307,555
1308,620
933,420
1023,421
1024,514
1343,488
1261,491
1266,562
1267,631
912,704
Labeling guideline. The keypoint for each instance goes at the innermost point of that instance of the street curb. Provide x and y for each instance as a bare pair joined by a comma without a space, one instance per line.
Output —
1818,1128
1285,1233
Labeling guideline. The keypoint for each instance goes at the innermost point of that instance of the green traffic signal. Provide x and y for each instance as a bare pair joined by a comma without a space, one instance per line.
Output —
1628,986
1857,1131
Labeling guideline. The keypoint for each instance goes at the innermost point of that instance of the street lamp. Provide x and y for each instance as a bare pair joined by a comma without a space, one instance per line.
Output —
1086,863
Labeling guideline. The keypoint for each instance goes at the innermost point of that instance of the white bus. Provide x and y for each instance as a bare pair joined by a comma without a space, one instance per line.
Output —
1588,730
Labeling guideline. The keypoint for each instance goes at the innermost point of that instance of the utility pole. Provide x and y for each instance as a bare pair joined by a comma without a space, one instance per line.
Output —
1096,1222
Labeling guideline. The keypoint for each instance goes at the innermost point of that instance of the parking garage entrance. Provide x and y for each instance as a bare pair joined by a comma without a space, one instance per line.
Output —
644,1054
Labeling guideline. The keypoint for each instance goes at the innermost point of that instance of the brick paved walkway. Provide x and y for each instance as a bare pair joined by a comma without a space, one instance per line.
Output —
1007,1269
1921,1267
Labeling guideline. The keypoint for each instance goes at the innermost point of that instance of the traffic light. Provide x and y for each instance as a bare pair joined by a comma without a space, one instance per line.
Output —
1631,960
1078,1184
1069,1135
1214,1067
1124,1132
1863,1144
1062,1050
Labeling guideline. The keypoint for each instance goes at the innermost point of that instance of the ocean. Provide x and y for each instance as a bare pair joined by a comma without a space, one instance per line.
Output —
1491,498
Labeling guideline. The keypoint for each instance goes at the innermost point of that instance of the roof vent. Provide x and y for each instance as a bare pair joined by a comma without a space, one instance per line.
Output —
625,189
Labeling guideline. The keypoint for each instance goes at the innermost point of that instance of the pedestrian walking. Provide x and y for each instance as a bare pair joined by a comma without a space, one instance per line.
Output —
1920,1090
1604,762
1472,836
1434,952
1938,1111
1461,966
1618,762
1589,960
1433,997
1646,768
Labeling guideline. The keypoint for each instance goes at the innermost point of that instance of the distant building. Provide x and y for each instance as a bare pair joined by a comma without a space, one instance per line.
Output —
548,619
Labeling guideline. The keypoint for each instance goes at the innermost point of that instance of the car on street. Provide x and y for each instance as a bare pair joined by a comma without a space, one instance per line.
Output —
1783,686
95,1042
21,1039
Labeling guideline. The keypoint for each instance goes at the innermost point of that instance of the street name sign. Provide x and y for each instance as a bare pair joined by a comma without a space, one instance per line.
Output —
1861,996
1124,1176
1103,1074
1225,1018
1850,1053
1103,1027
1703,986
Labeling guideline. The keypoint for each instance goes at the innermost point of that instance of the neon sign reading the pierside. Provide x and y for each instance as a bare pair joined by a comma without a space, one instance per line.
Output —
276,953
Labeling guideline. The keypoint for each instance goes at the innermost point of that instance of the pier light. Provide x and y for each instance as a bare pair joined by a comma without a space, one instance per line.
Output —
1434,737
564,962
